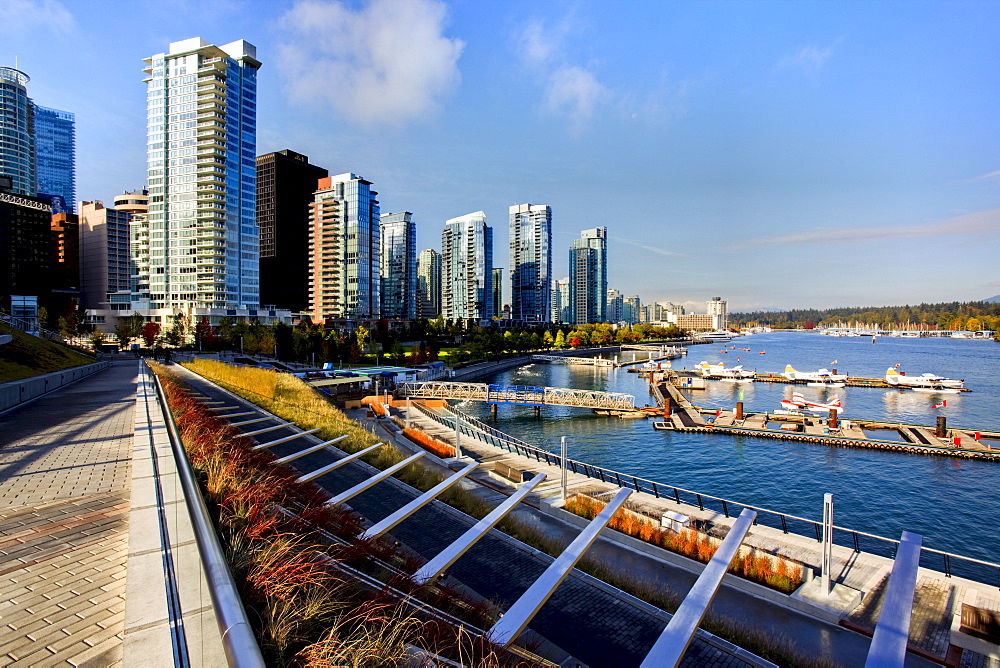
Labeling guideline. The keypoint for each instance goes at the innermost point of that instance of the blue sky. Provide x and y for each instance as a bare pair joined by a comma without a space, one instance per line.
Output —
777,154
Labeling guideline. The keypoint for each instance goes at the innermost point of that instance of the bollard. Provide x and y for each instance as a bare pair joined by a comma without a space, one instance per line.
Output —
833,418
958,441
739,410
942,427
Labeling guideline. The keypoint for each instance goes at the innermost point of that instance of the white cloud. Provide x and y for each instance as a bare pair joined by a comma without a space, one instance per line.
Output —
809,59
386,63
573,92
981,222
647,247
992,176
19,16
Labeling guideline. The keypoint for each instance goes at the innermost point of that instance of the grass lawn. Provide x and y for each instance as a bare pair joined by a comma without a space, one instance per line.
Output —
28,356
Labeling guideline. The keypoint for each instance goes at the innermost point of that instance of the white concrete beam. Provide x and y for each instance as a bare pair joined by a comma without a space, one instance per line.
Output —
520,614
450,554
375,479
311,449
888,648
670,647
337,464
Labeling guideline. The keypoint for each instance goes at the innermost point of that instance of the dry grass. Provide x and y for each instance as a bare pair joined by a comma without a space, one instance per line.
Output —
750,563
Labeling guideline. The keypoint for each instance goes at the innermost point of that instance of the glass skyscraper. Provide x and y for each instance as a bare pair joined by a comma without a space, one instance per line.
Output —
588,277
429,284
467,268
201,105
530,262
55,151
17,132
399,266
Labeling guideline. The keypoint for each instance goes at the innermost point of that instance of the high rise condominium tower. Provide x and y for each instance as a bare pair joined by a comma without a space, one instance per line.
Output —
344,249
531,262
105,251
588,276
286,182
55,151
716,307
497,298
429,284
561,311
17,132
467,268
399,266
201,111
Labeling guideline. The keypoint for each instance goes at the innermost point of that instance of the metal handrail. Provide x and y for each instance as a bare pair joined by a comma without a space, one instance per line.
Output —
663,490
238,638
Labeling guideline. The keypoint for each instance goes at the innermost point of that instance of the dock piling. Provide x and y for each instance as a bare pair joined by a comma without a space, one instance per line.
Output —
942,427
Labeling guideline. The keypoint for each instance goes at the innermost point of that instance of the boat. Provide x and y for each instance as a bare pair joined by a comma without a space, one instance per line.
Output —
927,381
721,372
801,404
715,337
820,378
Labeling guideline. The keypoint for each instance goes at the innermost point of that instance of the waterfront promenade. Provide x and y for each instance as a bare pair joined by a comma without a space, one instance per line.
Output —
936,600
65,483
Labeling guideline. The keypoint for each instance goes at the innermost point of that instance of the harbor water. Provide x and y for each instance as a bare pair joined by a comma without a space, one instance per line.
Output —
950,501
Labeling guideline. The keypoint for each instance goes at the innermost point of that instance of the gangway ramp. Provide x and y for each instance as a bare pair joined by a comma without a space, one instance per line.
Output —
517,394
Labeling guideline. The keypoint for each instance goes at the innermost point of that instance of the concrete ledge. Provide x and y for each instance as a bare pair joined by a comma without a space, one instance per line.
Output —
18,392
147,621
691,566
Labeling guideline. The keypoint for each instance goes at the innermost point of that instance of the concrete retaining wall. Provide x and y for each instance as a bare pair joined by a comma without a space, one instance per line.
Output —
19,391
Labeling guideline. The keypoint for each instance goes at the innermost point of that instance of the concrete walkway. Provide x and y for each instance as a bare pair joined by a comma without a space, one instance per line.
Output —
64,499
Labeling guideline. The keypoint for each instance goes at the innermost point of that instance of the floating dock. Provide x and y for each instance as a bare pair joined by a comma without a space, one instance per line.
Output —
682,416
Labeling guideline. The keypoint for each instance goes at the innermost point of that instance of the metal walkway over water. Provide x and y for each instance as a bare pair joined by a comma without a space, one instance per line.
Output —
517,394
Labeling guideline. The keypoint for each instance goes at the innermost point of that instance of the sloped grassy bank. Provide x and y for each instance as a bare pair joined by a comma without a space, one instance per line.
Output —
314,594
292,399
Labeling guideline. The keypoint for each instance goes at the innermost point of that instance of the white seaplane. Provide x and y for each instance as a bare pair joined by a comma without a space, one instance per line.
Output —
798,404
927,382
820,378
719,371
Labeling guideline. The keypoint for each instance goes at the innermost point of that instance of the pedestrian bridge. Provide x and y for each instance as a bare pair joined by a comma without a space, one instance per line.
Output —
518,394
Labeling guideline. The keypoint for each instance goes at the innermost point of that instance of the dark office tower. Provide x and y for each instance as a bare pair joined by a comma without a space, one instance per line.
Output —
17,133
65,249
55,151
429,284
25,247
588,277
399,266
497,291
285,186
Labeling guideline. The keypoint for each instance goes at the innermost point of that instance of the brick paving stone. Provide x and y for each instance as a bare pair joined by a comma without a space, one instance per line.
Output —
64,486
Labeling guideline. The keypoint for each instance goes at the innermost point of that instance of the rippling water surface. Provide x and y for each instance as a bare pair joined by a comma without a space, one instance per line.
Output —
951,502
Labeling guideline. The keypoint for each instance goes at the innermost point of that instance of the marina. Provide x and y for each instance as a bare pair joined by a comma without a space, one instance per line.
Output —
882,490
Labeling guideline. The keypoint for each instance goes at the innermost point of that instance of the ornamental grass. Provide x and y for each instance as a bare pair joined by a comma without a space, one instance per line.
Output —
294,578
749,563
433,445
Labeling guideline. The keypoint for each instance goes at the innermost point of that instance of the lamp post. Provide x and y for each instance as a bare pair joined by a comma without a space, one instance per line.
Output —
562,457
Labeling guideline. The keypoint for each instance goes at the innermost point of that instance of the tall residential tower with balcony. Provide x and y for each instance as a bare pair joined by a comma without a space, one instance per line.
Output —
467,268
531,262
201,106
399,266
588,277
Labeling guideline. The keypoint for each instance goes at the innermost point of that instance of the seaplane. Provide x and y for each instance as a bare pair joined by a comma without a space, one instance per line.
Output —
927,382
721,372
820,378
799,404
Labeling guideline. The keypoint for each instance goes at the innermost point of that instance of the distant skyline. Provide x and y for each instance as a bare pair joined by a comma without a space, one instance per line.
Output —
781,155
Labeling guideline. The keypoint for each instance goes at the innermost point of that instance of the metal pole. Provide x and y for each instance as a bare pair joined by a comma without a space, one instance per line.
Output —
407,412
562,452
827,542
458,438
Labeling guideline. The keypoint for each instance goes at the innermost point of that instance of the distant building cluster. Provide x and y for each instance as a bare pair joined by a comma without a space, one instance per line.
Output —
220,232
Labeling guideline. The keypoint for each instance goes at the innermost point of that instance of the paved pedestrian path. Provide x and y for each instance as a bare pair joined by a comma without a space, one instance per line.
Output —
64,500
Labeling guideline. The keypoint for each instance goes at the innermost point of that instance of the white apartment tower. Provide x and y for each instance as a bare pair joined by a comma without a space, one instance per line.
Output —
467,268
201,105
716,307
531,262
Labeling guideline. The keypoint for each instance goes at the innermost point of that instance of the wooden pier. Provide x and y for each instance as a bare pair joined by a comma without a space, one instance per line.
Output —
681,415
